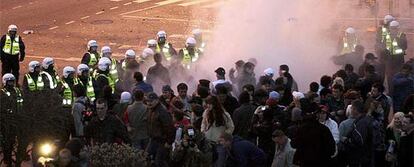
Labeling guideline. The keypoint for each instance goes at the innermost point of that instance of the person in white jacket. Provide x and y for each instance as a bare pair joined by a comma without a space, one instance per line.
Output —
328,122
215,120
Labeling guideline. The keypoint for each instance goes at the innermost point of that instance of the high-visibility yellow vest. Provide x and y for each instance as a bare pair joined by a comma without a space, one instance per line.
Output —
67,95
392,45
113,71
349,45
90,91
165,50
384,32
53,81
110,81
35,85
11,46
93,59
19,97
188,58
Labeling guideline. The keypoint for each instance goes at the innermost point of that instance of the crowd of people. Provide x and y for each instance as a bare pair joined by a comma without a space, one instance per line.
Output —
348,118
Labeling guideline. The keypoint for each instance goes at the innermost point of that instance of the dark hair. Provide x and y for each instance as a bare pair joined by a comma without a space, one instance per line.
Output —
182,86
325,91
79,90
265,80
349,67
244,97
338,87
358,105
157,57
314,87
177,103
107,91
249,87
341,74
216,115
138,95
203,92
75,146
278,133
138,76
379,86
197,109
178,115
101,101
326,81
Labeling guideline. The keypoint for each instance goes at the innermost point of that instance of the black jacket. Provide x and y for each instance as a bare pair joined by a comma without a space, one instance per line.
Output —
314,144
106,131
242,118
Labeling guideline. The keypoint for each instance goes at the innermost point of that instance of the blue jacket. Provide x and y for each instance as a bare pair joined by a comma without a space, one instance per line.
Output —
245,154
146,88
403,87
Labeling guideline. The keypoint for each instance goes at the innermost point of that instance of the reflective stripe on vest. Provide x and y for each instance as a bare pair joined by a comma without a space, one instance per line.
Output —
384,33
93,59
53,82
67,95
11,46
113,71
392,44
19,97
348,45
90,91
165,51
35,86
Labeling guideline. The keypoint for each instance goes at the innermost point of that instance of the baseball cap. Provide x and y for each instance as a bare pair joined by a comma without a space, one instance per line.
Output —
220,71
274,95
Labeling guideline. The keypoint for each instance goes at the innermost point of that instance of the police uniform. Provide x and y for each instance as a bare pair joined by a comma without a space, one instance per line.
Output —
91,59
9,54
11,104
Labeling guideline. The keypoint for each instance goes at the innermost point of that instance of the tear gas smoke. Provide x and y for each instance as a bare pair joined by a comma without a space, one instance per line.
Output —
275,32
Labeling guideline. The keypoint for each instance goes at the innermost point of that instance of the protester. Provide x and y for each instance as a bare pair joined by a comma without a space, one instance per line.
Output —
243,116
137,121
238,152
284,152
105,128
215,120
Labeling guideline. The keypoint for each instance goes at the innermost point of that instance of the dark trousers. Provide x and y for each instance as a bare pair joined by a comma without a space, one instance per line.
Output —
393,65
158,153
10,64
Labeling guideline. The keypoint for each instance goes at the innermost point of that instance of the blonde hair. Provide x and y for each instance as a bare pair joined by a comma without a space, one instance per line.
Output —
396,115
339,81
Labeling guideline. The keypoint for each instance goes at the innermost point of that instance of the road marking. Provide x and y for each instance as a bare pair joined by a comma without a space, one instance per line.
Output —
70,22
215,4
85,17
17,7
115,0
129,3
140,1
167,2
116,7
159,4
194,2
97,13
166,19
127,46
30,3
52,28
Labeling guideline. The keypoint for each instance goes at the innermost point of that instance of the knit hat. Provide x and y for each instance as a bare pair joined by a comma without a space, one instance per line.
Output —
269,72
274,95
125,97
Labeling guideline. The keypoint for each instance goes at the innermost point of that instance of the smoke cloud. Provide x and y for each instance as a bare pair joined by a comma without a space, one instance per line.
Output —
299,33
